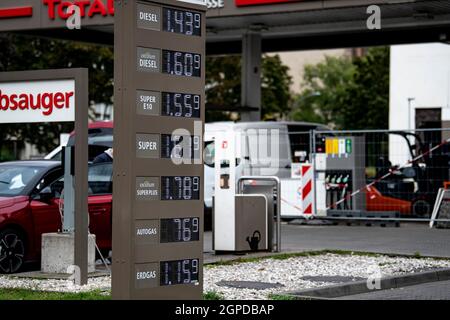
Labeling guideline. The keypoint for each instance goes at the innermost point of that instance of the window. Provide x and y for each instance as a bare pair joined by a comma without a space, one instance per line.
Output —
15,179
100,179
48,179
209,154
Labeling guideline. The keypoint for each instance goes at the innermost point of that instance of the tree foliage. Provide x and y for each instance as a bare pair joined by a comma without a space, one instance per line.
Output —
276,82
223,86
346,93
30,53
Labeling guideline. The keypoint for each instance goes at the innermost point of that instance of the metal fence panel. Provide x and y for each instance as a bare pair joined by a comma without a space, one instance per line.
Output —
403,170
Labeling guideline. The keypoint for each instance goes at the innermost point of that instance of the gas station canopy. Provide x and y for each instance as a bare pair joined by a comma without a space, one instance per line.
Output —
283,24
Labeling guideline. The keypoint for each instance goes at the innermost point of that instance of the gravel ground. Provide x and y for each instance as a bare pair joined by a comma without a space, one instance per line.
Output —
289,273
98,283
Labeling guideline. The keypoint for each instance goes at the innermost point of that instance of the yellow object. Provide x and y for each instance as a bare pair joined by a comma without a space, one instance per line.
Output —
328,146
335,146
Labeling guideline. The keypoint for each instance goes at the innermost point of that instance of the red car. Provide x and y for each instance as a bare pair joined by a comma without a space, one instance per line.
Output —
30,206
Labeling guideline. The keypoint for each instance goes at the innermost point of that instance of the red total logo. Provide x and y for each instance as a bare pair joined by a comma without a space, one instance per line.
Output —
244,3
46,101
88,8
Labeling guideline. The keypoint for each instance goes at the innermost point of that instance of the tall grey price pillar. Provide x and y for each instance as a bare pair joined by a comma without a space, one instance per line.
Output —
159,96
251,76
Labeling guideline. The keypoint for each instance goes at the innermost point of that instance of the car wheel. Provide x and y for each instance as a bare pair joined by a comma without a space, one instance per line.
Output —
421,208
12,251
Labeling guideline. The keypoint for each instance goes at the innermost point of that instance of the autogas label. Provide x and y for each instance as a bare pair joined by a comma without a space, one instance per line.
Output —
148,103
147,145
147,188
147,231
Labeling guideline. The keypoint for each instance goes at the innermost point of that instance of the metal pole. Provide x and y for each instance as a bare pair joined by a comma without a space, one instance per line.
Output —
251,76
69,191
81,175
278,186
313,162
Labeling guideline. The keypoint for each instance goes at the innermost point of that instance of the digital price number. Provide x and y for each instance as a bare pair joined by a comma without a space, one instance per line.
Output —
181,105
183,22
180,230
181,63
180,188
180,147
179,272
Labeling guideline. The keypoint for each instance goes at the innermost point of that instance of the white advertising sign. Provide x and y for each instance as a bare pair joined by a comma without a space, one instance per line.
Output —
37,101
200,2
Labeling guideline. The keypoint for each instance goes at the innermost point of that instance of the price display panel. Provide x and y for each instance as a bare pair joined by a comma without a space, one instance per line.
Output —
180,188
180,272
180,147
184,22
181,105
180,230
179,63
160,96
169,104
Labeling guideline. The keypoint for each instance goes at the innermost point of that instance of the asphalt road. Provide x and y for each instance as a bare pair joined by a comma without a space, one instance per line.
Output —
409,239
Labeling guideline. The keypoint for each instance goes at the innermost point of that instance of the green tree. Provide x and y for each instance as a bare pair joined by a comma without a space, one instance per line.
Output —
325,89
368,98
223,86
346,93
32,53
276,82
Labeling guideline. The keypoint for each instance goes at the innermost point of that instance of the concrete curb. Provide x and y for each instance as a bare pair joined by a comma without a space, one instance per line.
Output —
357,287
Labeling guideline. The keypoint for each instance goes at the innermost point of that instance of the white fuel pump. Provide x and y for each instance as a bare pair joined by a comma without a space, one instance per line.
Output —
240,221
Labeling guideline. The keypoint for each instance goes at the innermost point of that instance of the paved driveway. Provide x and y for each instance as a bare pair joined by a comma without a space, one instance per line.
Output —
408,239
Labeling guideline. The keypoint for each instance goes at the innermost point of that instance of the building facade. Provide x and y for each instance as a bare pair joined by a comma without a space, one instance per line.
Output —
419,93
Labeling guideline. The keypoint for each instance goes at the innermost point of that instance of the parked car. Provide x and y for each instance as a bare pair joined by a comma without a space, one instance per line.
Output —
30,193
100,138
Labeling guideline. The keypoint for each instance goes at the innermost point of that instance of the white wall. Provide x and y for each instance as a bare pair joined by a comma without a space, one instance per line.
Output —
422,72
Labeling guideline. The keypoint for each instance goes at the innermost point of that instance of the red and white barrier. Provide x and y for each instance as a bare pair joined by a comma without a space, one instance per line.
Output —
307,189
297,193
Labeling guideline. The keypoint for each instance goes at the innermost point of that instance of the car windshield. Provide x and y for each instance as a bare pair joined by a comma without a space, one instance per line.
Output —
14,179
97,136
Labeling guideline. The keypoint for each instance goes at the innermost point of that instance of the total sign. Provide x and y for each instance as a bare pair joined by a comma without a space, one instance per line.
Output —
87,8
37,101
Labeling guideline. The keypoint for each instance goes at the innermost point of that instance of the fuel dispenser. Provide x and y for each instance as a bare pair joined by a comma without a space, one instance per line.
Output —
241,221
340,171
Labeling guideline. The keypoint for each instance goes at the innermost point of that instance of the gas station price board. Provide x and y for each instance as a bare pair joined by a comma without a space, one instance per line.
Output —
158,202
